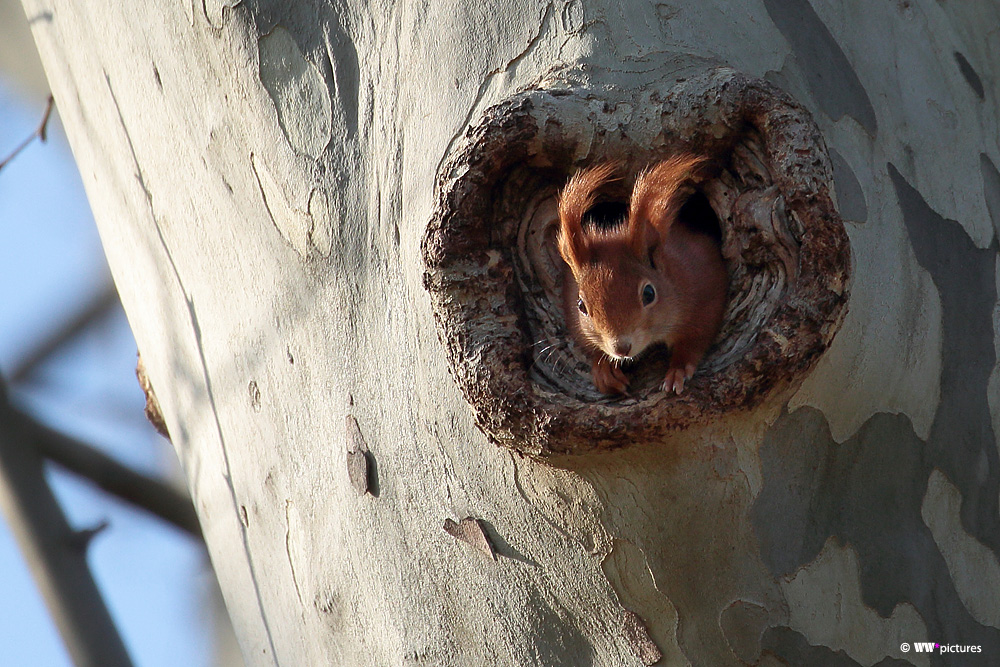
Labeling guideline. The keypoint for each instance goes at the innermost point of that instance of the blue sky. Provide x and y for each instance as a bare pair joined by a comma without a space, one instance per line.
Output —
155,579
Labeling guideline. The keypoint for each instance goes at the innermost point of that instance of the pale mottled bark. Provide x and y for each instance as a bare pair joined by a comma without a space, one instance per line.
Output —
263,176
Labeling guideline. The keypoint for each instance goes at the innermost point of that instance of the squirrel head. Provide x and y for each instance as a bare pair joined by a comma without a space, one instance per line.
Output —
627,300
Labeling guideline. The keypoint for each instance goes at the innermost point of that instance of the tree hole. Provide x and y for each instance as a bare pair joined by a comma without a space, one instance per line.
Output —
606,214
495,275
698,214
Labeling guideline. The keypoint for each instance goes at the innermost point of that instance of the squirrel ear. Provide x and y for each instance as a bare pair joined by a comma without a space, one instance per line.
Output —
575,200
658,192
642,236
572,245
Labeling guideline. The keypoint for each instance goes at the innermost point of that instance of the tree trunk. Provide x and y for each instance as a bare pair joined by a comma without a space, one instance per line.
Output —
276,186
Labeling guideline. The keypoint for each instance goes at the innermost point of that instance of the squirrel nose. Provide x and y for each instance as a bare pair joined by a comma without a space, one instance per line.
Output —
622,348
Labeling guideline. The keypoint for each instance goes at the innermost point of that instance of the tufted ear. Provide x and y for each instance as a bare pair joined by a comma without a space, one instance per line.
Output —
642,237
575,200
659,194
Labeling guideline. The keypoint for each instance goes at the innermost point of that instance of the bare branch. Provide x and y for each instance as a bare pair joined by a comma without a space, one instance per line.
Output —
41,132
100,304
52,551
152,495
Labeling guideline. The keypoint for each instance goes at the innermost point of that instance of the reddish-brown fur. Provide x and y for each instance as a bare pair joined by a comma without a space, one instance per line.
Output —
608,271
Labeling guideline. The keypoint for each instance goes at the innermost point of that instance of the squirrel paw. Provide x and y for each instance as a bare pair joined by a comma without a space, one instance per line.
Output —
608,378
674,380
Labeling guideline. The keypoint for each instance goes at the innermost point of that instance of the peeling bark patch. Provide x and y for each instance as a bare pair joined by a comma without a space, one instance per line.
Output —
824,603
742,624
308,230
867,492
628,572
320,229
346,73
253,392
637,635
962,441
795,460
971,77
153,412
217,10
794,649
991,189
850,196
974,568
300,96
330,603
494,274
828,72
470,531
358,470
355,440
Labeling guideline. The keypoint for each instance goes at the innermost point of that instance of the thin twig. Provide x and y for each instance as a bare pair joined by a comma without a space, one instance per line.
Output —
150,494
52,551
40,132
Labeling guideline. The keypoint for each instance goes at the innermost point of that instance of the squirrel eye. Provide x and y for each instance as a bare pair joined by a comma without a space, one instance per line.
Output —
582,306
648,294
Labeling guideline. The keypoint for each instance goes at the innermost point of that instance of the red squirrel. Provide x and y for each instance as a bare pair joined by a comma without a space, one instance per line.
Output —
648,280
